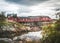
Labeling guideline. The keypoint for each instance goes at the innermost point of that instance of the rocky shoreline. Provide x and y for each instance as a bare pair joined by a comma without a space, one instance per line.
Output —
31,37
8,32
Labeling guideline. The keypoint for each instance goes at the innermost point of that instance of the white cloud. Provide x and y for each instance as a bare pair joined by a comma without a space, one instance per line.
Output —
40,9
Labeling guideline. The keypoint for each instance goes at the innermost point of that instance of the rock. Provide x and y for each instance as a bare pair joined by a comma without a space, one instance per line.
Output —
28,39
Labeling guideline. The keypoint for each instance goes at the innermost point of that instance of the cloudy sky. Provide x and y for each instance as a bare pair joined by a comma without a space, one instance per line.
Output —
30,7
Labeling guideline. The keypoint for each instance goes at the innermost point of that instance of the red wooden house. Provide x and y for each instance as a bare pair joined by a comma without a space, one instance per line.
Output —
31,19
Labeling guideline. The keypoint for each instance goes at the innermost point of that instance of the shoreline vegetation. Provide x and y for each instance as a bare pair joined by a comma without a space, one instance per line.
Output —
14,29
9,30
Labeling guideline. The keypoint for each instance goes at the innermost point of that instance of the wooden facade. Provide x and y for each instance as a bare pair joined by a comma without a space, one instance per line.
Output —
31,19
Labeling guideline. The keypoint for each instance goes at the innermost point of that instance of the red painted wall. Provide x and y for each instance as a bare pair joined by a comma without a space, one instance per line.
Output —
37,19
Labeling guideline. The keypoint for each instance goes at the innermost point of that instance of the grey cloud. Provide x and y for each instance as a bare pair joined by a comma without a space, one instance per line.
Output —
57,6
56,9
26,2
24,10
